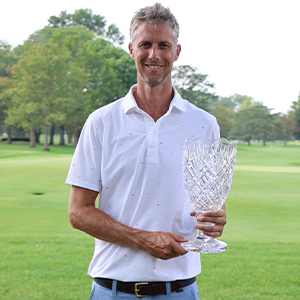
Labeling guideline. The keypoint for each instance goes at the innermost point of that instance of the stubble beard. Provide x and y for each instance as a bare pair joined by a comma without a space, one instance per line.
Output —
151,82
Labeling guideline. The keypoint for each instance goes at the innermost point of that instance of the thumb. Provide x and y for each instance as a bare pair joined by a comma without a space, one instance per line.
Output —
193,213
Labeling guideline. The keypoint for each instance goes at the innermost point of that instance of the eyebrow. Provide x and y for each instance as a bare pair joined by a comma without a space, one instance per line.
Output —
160,42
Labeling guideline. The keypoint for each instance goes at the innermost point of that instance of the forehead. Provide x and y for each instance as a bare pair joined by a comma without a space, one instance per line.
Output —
154,32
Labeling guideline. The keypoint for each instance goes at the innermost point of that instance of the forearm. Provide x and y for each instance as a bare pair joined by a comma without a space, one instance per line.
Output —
86,217
98,224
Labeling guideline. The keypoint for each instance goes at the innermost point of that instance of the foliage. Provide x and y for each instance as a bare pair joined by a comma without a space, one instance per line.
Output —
225,119
289,124
112,72
296,116
7,59
72,66
86,18
70,69
5,84
235,102
253,122
227,102
46,81
193,86
244,101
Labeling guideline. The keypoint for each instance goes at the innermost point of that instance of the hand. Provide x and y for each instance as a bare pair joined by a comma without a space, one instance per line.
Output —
217,217
163,245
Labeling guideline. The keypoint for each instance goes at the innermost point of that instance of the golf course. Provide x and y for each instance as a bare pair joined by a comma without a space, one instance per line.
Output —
43,257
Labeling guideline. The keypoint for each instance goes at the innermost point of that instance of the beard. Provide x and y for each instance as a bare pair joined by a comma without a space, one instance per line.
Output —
154,82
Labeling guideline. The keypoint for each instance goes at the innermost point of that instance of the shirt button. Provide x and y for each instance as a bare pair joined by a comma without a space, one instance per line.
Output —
152,146
152,132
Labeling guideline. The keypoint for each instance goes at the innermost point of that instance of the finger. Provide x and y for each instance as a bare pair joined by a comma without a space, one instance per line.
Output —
170,246
212,234
216,220
213,231
179,250
210,228
178,238
217,213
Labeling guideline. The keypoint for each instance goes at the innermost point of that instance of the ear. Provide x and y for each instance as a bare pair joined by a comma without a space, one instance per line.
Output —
178,50
130,47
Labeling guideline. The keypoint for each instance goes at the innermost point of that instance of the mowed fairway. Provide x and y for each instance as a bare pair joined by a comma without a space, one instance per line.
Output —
42,257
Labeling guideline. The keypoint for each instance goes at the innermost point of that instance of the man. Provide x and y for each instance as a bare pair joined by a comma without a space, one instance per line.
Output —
129,153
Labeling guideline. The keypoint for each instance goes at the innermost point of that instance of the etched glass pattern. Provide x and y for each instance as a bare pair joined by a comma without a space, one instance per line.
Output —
208,169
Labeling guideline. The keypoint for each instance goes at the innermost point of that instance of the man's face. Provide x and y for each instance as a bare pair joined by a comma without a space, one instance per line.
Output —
154,51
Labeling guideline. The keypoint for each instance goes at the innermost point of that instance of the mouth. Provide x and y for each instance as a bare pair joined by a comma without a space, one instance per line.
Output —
154,67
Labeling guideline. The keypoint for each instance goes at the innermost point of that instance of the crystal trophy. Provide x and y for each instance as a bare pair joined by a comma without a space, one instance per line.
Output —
208,167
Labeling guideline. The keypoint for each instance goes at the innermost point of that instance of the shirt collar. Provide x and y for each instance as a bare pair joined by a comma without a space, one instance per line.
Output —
129,102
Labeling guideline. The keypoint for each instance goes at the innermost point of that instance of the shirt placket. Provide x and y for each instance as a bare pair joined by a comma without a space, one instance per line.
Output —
152,147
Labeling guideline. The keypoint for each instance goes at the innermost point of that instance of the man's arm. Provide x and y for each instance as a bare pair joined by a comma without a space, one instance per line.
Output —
86,217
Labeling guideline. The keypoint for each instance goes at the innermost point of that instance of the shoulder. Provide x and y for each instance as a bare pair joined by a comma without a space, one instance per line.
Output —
189,108
96,121
199,118
197,112
110,109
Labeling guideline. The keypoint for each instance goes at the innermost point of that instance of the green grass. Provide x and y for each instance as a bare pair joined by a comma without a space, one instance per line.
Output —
263,230
42,257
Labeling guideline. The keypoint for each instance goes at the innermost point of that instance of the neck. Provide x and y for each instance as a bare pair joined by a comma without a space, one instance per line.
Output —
154,100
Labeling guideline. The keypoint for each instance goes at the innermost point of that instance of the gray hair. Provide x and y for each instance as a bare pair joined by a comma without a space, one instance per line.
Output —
156,14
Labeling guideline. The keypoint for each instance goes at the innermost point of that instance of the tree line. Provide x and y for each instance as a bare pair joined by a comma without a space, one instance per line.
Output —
75,65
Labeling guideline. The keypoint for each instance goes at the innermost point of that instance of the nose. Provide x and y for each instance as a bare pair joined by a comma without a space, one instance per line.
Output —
154,53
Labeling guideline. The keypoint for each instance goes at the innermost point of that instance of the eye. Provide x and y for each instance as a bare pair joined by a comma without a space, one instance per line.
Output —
145,45
164,45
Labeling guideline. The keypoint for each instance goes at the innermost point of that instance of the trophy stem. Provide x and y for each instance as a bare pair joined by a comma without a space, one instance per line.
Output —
204,244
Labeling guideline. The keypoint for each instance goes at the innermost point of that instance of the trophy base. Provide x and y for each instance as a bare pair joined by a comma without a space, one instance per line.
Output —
210,245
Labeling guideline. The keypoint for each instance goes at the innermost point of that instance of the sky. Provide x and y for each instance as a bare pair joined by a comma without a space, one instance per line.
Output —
247,47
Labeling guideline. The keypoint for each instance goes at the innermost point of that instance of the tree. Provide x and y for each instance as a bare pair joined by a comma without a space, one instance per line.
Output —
7,59
86,18
225,119
253,122
280,128
289,124
193,86
73,39
243,101
5,84
235,102
111,72
114,35
295,113
225,102
46,81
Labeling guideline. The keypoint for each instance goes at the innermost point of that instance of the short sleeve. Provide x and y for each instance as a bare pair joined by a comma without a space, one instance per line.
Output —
215,130
85,169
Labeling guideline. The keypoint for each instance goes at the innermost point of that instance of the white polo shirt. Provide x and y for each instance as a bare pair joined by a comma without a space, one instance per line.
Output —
136,165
